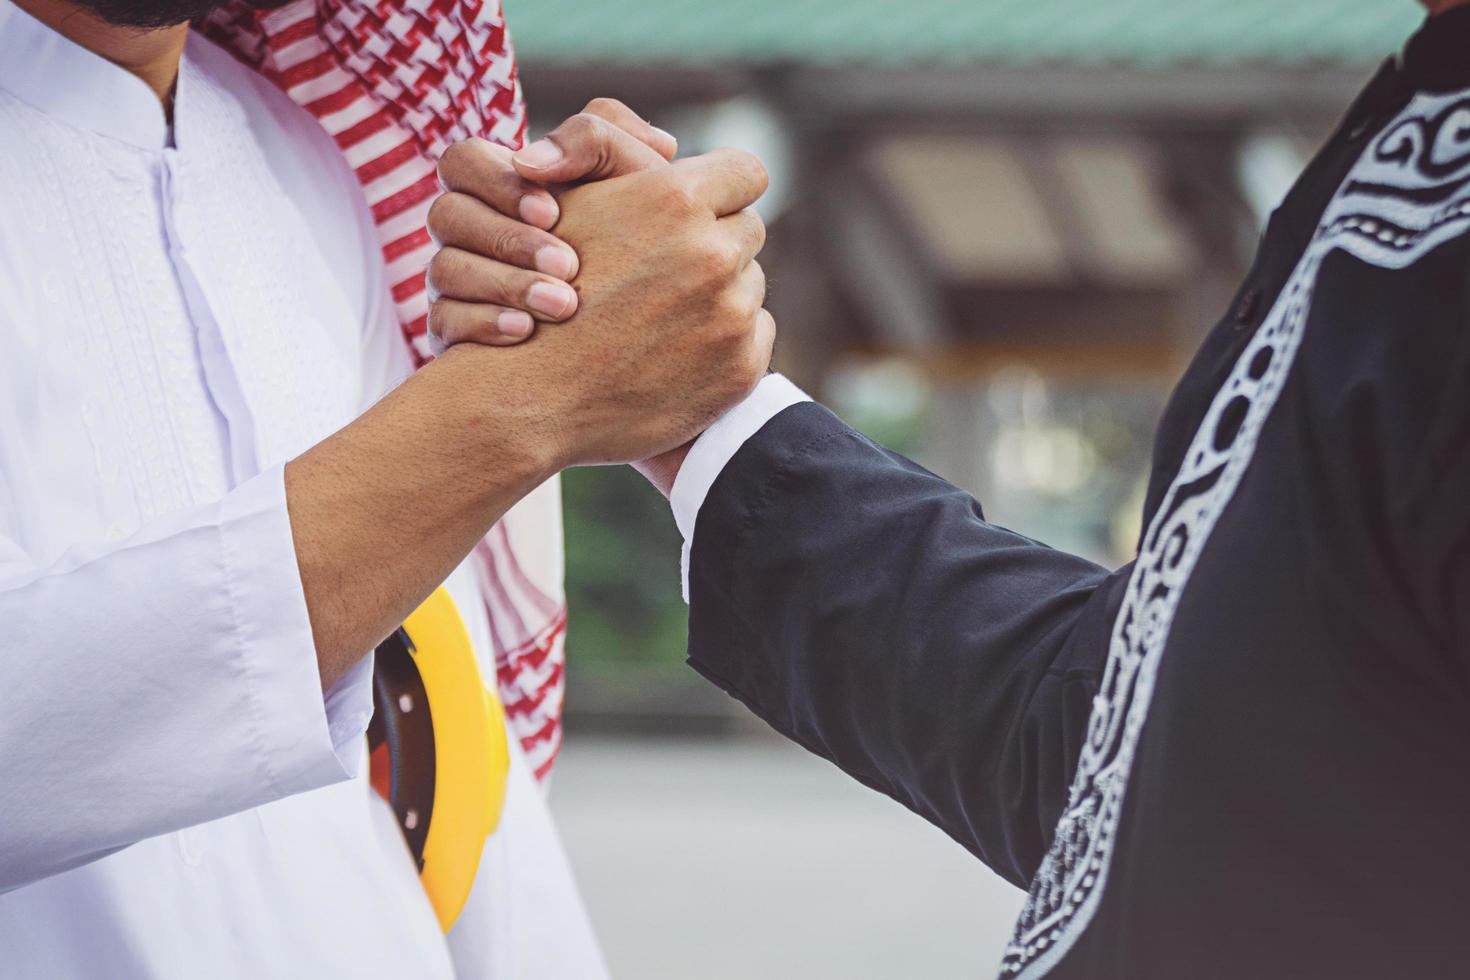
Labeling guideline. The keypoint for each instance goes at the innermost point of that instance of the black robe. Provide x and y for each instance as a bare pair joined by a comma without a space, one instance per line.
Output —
1246,753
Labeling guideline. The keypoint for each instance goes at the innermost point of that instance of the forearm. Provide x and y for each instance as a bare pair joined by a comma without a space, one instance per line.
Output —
382,511
865,608
177,677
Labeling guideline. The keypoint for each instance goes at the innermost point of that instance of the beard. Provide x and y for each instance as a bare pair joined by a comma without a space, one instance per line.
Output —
152,14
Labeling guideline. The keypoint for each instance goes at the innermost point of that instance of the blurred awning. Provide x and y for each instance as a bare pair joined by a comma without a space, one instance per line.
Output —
968,183
1032,59
882,34
1036,212
963,246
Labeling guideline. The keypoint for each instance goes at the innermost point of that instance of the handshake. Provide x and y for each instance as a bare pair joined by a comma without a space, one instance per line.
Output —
650,277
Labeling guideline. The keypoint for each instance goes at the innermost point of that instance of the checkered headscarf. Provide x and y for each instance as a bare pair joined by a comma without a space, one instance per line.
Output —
395,82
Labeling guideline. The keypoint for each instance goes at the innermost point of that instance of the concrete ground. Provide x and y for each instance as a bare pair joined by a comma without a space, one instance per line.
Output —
748,858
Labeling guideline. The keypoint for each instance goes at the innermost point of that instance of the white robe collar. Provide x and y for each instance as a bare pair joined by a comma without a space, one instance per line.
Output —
61,78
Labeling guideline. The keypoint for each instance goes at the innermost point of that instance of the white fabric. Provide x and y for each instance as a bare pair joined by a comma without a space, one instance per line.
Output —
717,446
177,799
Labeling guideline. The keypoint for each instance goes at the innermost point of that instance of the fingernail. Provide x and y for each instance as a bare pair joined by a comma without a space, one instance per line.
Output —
514,323
539,212
554,260
549,299
672,138
539,155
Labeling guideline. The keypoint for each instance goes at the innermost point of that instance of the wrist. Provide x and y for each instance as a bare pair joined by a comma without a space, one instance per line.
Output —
498,422
663,470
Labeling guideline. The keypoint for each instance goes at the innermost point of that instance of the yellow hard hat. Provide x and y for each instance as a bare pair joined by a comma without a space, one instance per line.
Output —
438,749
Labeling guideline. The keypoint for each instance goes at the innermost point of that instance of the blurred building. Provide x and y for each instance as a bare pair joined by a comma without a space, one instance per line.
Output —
998,227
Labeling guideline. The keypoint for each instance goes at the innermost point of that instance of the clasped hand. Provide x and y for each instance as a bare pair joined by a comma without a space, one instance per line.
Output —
650,276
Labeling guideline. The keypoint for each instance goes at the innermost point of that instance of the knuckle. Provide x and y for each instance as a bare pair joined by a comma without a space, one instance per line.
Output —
760,286
737,324
506,244
441,216
724,316
719,258
437,326
676,194
582,139
585,127
751,165
450,162
732,319
458,159
439,277
604,106
475,165
757,229
708,272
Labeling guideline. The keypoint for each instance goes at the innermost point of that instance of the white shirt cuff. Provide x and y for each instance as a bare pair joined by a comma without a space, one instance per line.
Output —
717,446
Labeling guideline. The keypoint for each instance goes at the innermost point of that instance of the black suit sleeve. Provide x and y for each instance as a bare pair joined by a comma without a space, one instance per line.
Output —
863,607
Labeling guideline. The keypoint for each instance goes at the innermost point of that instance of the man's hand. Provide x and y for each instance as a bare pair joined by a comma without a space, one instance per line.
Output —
604,141
670,331
500,270
668,334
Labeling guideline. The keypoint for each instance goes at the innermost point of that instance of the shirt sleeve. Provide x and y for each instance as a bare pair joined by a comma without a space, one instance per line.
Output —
715,447
865,608
161,682
1441,547
1454,492
1432,533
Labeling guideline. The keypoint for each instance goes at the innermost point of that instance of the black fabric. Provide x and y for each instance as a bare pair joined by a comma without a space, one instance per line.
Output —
1435,60
1299,800
863,607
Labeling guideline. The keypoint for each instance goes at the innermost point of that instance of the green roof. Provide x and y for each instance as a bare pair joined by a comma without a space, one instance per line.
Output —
954,32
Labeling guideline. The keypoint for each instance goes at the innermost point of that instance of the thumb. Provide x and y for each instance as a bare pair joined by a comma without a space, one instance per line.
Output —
585,147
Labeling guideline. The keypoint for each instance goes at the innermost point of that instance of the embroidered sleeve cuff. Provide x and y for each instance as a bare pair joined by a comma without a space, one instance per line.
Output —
717,446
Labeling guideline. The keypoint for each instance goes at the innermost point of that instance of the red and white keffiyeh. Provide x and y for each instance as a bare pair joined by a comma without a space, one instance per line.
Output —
395,82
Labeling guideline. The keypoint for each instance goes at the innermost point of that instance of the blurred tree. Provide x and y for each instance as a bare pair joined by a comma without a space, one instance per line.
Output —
622,571
625,607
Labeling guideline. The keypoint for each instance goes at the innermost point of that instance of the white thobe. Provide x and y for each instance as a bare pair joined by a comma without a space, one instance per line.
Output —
180,314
